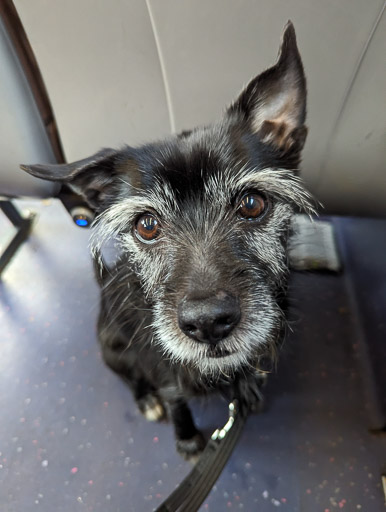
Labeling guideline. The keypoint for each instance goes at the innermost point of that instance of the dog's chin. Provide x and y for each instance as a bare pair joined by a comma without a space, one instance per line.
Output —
213,360
217,352
219,361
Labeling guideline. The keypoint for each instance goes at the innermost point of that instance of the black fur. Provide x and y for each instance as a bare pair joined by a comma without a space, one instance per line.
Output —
207,252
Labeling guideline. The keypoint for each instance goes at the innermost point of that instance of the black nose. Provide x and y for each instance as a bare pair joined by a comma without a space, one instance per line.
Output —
209,319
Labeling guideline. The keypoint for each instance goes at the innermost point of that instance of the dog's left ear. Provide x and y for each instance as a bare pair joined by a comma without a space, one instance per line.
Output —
95,177
275,101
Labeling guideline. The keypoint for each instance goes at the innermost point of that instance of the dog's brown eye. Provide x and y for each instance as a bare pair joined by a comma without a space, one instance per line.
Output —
147,228
252,206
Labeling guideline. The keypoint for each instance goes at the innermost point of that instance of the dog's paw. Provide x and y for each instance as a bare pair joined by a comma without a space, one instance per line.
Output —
191,449
151,407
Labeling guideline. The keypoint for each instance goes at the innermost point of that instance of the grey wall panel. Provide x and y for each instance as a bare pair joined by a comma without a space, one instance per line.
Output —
131,71
101,68
210,49
22,135
354,176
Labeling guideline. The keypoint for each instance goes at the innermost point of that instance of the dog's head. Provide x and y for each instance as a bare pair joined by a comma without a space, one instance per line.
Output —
204,218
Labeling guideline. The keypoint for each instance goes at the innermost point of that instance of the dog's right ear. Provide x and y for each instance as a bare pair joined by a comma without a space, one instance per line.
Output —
95,178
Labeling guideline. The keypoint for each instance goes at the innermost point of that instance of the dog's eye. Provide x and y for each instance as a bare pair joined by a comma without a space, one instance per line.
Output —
147,228
252,206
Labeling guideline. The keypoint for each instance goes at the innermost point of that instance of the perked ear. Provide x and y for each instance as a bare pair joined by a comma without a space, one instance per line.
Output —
93,177
275,101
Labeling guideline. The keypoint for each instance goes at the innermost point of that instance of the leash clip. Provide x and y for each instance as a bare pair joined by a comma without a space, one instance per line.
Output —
220,434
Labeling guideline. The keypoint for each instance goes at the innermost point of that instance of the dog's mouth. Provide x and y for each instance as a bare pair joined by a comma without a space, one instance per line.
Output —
239,348
216,352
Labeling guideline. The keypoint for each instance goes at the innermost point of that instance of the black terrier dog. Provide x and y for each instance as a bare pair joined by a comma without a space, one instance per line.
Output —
202,220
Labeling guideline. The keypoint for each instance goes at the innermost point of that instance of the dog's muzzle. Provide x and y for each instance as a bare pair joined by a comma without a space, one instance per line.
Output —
209,319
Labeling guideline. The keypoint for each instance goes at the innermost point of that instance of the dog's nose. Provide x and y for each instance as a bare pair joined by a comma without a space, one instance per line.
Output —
209,319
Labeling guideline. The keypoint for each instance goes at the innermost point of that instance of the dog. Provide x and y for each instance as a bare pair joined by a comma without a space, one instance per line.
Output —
196,298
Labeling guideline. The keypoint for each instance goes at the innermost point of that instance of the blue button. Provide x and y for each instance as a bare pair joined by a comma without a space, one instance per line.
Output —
81,222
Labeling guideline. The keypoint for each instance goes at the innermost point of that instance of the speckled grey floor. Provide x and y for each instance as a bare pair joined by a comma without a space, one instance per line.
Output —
72,440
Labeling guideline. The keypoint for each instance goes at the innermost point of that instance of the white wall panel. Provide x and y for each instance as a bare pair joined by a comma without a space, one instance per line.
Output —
101,68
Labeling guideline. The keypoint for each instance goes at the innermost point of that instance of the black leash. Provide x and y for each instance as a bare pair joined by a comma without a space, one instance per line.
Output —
193,490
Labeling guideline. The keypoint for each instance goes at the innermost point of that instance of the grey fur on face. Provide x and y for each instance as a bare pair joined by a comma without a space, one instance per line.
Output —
197,242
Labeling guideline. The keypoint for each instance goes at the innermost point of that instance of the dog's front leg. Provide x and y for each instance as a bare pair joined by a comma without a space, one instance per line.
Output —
144,393
189,440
